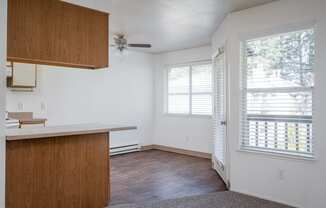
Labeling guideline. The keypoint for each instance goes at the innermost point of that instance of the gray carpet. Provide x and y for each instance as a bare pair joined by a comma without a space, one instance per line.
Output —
215,200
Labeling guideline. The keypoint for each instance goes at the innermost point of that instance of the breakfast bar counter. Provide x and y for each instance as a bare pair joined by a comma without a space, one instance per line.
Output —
64,130
59,166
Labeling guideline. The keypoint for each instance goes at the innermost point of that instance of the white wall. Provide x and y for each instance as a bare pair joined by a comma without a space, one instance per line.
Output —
256,174
94,4
3,29
189,133
121,94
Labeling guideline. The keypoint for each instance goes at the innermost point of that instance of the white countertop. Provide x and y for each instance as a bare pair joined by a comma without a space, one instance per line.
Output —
65,130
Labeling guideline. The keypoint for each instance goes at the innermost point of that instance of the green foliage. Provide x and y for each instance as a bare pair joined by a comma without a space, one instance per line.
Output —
292,55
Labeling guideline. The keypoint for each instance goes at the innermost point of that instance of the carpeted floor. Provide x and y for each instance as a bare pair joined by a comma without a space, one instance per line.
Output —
226,199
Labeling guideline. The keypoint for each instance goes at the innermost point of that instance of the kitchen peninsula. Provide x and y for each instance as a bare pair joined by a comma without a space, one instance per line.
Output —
59,166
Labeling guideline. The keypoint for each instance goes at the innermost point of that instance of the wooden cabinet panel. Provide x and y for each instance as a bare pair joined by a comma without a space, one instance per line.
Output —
24,29
69,172
53,32
100,37
29,168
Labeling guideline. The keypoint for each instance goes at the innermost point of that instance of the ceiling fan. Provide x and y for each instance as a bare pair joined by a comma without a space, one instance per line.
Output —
121,43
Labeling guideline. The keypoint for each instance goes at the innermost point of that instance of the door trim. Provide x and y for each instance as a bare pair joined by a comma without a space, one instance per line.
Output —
223,171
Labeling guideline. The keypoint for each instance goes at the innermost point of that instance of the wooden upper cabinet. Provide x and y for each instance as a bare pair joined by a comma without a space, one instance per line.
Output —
57,33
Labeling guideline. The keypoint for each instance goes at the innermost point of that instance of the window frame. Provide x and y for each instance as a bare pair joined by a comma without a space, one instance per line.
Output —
242,101
166,92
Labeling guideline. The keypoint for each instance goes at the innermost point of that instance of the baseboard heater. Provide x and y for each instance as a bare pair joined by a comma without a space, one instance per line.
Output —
124,149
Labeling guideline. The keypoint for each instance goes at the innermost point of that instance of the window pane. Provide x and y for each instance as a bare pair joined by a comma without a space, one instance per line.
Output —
202,104
202,78
285,135
289,104
278,86
178,80
178,104
179,86
281,61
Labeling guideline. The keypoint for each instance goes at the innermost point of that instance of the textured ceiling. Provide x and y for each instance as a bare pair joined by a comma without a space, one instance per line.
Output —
168,24
237,5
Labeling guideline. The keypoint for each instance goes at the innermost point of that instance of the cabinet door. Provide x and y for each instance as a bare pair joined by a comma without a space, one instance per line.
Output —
24,29
71,34
53,32
99,38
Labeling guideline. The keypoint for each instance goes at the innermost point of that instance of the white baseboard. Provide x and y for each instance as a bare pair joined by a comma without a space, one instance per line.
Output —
178,150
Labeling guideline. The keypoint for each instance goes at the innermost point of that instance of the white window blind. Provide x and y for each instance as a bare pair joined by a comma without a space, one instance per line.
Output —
189,90
179,90
277,93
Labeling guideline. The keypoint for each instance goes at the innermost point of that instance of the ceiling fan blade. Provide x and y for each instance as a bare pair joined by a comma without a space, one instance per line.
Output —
140,45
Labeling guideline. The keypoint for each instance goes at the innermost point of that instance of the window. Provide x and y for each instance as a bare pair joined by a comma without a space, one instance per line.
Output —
277,93
189,89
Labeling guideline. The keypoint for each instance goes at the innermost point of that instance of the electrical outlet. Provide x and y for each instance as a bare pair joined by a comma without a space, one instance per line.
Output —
281,175
187,139
43,106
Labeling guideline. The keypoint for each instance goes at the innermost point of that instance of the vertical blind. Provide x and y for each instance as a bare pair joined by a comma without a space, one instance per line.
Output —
190,89
277,93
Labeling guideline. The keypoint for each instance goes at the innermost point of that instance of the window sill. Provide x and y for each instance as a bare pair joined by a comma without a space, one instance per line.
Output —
187,116
277,154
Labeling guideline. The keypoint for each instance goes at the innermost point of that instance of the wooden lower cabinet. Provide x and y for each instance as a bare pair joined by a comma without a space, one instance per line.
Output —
58,172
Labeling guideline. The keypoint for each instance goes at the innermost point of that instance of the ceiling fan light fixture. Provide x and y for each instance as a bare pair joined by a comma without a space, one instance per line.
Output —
121,43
